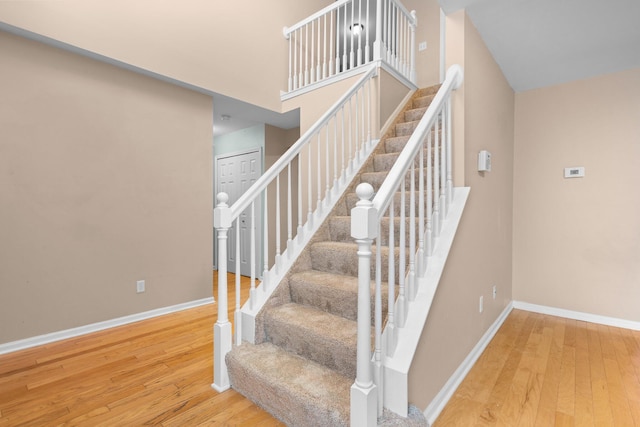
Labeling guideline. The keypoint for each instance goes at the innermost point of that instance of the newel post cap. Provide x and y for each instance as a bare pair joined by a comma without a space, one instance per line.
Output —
222,212
364,217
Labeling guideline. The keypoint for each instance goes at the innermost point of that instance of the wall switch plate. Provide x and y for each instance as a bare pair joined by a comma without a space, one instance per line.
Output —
481,306
422,46
140,286
575,172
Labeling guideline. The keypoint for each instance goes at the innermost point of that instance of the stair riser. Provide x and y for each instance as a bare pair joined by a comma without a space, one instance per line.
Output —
407,128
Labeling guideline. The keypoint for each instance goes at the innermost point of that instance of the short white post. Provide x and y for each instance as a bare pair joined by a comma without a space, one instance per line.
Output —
364,228
222,329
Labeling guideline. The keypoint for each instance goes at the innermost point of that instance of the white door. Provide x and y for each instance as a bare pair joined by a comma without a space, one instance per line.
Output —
235,173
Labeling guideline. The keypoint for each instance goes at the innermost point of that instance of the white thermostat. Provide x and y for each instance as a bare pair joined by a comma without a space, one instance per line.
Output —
576,172
484,161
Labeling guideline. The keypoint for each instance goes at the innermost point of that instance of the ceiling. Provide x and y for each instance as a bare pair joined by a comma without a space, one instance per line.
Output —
540,43
243,115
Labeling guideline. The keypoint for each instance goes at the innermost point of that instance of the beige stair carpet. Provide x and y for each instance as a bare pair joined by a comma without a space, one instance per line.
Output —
304,361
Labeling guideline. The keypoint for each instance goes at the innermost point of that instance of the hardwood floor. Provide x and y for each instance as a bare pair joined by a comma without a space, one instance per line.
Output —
548,371
154,372
538,370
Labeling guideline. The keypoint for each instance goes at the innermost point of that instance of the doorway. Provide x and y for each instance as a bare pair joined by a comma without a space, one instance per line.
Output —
235,173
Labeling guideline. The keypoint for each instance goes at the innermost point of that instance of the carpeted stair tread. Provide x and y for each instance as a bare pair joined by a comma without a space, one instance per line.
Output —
385,161
414,114
406,128
295,390
422,101
342,258
314,334
377,178
333,293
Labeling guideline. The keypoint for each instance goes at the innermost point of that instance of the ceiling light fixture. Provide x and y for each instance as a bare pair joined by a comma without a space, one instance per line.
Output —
356,28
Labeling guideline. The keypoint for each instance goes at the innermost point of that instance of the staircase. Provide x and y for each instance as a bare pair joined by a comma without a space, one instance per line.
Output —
303,364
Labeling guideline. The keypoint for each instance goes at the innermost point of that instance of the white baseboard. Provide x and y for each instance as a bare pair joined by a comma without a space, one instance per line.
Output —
95,327
438,403
577,315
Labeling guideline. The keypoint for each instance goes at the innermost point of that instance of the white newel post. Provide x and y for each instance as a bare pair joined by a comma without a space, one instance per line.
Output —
364,227
222,328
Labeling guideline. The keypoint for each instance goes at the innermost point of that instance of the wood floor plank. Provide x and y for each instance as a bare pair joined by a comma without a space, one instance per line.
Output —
148,372
563,366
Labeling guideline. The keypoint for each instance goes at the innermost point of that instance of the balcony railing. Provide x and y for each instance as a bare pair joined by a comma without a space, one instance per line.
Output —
349,34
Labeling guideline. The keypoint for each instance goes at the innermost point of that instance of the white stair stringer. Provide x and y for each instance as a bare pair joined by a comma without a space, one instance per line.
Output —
396,368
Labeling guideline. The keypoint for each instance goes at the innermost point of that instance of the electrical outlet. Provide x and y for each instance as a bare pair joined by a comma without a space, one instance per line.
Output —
140,287
495,291
481,306
422,46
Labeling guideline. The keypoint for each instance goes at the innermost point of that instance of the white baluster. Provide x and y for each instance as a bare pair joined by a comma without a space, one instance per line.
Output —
364,399
401,313
222,327
412,230
378,375
449,157
296,78
344,37
443,171
429,235
335,155
309,189
412,48
278,257
332,71
306,54
290,78
319,169
367,52
312,68
436,179
359,53
391,280
300,229
421,251
252,263
377,44
237,315
324,54
265,243
351,52
327,171
319,55
344,166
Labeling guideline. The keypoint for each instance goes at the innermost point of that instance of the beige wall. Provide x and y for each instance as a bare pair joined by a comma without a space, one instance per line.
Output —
105,179
481,253
427,61
213,44
577,241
